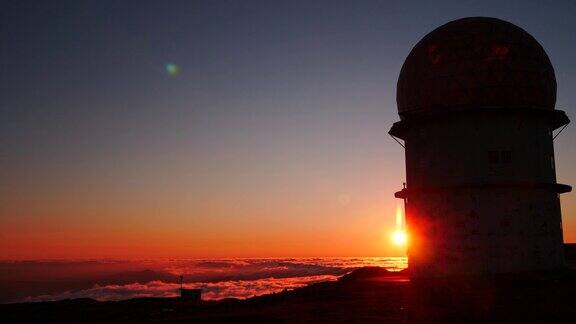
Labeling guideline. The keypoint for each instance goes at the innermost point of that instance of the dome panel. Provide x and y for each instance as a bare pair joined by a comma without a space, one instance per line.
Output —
475,63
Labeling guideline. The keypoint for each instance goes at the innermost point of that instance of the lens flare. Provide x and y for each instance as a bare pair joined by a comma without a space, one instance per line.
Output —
399,218
399,237
172,69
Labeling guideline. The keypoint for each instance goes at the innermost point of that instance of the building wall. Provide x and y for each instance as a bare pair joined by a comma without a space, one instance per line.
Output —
488,228
484,231
457,151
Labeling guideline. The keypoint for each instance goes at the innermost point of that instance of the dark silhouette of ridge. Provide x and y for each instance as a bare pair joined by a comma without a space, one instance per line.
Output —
368,273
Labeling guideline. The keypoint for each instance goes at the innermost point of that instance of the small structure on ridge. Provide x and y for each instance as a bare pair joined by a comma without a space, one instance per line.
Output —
187,294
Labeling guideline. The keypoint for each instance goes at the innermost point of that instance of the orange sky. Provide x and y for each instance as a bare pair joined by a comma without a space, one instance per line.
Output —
325,217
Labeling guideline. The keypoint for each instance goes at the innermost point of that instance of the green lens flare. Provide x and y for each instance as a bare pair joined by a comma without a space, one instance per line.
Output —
172,69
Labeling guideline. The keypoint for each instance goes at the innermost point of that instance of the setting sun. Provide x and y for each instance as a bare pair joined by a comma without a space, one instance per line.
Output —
400,238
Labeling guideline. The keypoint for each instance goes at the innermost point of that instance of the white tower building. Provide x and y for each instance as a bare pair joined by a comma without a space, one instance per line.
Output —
476,99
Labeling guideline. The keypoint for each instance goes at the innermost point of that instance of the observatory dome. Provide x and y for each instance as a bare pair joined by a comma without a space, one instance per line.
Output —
475,63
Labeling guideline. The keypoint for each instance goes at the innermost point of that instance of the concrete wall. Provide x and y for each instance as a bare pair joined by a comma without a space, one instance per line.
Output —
482,229
454,152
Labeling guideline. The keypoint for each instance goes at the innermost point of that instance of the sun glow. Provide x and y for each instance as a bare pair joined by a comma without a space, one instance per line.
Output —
399,238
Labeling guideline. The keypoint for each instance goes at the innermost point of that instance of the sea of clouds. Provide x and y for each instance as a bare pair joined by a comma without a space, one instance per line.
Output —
218,278
210,291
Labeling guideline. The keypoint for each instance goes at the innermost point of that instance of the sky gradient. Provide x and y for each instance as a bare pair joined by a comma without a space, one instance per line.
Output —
190,129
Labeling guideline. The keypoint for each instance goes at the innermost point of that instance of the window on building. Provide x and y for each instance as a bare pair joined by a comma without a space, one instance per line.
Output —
500,157
505,156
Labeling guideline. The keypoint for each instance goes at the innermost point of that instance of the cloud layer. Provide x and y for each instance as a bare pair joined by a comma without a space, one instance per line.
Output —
218,278
211,291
